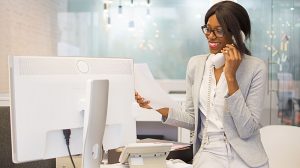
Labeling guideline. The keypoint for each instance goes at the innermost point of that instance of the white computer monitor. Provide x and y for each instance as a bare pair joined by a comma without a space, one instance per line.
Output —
49,94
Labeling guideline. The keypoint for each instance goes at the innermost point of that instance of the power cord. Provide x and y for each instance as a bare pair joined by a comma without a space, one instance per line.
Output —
67,133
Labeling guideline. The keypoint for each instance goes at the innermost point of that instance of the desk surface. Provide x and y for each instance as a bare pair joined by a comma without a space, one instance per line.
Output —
170,164
114,166
4,99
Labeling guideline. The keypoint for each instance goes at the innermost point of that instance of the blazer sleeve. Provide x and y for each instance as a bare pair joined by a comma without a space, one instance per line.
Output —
246,111
185,118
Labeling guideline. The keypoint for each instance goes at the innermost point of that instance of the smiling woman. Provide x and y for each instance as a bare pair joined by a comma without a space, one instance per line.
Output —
223,104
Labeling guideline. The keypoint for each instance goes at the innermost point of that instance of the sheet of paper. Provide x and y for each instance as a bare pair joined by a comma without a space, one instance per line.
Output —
149,88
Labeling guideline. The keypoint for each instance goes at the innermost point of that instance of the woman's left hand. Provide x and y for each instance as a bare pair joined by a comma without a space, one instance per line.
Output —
233,59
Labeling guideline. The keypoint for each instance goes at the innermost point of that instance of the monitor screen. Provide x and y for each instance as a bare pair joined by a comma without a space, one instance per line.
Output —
48,94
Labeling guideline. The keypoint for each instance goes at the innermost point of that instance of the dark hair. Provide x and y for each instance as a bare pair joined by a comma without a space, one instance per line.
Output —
233,18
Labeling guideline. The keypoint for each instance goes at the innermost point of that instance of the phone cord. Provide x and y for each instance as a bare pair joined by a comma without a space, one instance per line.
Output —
205,137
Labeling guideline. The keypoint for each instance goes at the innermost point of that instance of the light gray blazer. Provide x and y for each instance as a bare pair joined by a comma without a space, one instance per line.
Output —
241,120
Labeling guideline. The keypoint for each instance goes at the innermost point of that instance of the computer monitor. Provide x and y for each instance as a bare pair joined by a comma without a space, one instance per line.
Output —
49,94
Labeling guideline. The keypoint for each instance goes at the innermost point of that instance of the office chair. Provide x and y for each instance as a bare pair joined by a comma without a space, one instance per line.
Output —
281,143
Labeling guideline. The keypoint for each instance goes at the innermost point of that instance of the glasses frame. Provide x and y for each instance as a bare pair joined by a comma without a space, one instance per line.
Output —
209,31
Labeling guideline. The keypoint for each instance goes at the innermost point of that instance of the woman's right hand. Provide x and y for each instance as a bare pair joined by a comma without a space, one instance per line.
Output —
145,104
141,101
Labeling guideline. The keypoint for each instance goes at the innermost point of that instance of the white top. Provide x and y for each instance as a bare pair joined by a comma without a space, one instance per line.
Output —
217,100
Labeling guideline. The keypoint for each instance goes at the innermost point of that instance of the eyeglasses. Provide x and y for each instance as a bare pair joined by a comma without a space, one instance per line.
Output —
217,32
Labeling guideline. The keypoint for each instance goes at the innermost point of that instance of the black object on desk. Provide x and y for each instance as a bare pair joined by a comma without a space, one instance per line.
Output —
185,154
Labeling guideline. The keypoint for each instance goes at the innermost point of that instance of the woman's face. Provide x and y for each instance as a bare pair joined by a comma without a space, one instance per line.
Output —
215,42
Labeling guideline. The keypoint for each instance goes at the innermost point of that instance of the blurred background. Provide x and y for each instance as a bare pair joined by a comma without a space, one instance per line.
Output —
162,33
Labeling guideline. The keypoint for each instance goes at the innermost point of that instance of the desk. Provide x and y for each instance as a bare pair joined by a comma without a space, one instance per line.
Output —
114,166
65,162
170,164
4,100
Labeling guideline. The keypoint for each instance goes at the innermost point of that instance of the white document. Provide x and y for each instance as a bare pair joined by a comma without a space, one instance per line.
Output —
148,88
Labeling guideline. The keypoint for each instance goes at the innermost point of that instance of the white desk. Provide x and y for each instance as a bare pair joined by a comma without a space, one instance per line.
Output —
114,166
170,164
65,162
4,100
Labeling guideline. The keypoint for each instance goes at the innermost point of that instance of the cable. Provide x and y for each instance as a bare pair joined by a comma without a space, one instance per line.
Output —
67,133
204,134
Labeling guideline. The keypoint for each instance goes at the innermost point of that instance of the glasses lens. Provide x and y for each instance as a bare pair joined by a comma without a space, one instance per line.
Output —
205,30
219,32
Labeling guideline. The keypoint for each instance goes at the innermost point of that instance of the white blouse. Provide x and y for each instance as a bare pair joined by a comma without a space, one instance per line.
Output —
217,100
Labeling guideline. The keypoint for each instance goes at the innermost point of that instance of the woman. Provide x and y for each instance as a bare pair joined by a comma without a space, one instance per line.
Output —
223,104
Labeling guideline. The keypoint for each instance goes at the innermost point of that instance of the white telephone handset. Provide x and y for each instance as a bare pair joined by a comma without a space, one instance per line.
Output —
218,60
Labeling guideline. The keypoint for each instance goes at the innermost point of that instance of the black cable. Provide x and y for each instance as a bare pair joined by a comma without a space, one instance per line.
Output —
67,133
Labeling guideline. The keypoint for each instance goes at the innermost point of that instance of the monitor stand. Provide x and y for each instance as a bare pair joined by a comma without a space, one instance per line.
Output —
94,123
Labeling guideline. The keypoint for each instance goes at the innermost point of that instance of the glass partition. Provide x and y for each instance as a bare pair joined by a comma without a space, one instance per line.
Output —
285,59
166,33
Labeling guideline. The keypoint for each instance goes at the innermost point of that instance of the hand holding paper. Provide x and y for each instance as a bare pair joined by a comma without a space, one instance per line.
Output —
149,89
141,101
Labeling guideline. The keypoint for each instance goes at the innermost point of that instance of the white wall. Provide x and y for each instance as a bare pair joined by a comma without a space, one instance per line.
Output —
27,28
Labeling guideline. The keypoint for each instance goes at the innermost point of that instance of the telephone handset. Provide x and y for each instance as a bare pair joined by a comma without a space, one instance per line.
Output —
218,60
